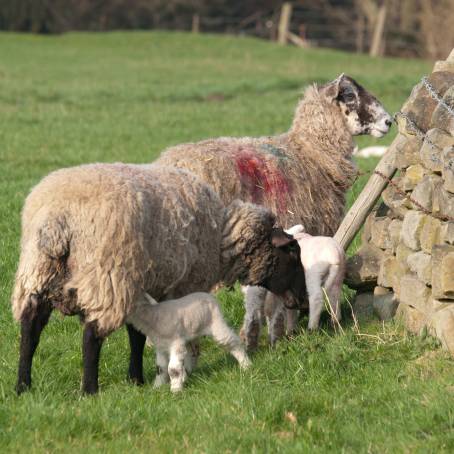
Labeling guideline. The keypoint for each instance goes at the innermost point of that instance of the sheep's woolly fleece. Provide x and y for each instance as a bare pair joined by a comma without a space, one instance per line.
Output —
95,237
302,176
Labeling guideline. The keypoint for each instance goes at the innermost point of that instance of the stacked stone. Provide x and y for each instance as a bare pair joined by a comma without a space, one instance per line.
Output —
405,265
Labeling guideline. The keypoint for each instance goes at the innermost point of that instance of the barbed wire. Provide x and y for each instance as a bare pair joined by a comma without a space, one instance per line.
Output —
434,95
423,136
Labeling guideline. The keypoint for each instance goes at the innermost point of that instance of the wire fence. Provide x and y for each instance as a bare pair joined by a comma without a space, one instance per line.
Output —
423,136
315,27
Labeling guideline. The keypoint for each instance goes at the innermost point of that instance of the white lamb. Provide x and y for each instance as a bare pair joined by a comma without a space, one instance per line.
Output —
323,260
172,324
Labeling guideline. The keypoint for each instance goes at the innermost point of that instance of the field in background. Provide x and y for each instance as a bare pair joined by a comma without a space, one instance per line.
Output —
124,97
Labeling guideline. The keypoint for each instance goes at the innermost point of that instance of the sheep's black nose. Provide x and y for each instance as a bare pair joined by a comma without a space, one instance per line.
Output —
388,122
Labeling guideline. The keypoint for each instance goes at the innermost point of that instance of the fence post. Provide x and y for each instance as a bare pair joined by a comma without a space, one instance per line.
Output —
195,23
377,45
284,22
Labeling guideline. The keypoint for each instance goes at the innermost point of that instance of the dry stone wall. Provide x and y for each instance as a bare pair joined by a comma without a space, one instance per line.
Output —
405,265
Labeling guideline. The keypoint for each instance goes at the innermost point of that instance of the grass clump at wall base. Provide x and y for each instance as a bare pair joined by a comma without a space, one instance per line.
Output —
110,97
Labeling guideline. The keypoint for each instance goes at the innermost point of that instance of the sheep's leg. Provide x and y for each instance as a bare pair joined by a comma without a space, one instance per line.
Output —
176,369
191,358
254,302
162,365
333,286
91,349
292,316
276,319
137,344
314,279
34,319
226,337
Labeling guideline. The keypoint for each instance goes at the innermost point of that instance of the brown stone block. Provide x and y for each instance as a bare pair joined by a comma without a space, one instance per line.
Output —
391,273
411,229
407,151
443,322
414,320
394,230
379,233
431,150
448,168
423,193
420,263
415,293
413,175
430,234
397,203
402,253
447,232
420,105
363,267
443,272
441,117
444,66
443,202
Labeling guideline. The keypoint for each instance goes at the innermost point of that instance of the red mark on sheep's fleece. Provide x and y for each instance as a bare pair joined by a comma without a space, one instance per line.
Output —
261,177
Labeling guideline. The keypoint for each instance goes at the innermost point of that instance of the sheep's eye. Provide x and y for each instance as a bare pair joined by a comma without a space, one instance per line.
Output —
349,96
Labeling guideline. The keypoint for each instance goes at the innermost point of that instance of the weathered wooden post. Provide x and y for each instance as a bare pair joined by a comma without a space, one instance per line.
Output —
364,204
195,23
377,45
284,23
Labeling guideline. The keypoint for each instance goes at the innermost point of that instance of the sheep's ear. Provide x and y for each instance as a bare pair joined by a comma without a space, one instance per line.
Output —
281,239
332,89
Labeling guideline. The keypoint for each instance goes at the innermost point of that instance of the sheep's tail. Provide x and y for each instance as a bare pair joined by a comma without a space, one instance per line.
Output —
44,250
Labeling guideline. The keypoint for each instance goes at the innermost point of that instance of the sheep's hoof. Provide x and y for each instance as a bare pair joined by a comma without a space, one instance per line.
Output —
138,381
176,389
245,364
22,387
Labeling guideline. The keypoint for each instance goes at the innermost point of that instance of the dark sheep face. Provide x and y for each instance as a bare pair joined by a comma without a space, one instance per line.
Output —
363,113
288,272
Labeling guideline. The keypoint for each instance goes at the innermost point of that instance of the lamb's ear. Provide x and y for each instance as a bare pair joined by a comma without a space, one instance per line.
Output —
332,89
281,239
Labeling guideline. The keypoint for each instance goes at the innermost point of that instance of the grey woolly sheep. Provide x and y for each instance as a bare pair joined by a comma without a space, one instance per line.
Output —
172,324
301,175
96,237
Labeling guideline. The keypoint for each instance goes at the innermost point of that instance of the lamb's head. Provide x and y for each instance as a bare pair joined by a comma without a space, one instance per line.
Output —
256,253
363,113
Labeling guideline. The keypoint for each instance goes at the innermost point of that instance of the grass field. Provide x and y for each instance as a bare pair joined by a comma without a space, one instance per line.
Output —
125,96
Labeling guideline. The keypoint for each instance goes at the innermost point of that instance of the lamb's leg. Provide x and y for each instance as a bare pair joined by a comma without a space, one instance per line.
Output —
91,349
274,308
176,369
292,316
136,343
333,286
254,301
162,365
314,278
34,319
226,337
191,358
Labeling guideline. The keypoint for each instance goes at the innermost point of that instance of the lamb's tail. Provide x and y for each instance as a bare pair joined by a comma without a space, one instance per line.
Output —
44,250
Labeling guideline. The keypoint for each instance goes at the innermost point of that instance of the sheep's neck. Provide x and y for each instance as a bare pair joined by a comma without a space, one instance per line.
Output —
321,126
319,139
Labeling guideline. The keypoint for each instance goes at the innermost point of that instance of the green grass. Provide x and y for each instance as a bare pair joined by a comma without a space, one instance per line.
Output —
125,96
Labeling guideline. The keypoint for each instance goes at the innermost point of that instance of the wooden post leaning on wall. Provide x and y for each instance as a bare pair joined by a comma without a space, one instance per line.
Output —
284,23
365,202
